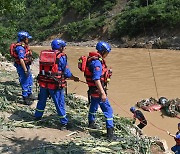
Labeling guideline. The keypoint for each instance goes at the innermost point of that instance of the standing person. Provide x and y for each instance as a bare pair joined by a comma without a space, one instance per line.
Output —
139,115
176,148
23,58
96,74
53,72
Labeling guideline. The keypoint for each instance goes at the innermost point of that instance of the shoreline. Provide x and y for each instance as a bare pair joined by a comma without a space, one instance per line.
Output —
172,43
163,143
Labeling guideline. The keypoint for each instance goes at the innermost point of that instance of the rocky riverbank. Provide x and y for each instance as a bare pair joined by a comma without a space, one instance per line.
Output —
154,42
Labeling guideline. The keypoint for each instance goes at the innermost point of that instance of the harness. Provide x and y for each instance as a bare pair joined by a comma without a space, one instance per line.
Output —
49,76
177,140
93,90
28,53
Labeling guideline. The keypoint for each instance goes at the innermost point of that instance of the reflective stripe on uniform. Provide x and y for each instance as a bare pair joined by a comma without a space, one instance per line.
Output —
109,119
39,110
62,116
24,90
92,113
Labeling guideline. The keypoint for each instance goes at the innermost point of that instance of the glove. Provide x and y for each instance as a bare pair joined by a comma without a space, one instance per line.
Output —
134,121
168,133
76,79
110,72
27,73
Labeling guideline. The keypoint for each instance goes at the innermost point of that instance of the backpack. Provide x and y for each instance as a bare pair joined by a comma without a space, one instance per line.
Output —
82,63
49,76
13,51
48,61
47,57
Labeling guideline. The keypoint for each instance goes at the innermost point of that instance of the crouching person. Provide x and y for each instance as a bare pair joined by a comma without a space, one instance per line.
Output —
52,79
139,115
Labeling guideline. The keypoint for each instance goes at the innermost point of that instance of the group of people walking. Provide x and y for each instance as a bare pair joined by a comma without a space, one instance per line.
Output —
52,77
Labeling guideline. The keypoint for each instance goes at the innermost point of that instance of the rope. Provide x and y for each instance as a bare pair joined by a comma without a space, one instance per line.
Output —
153,74
140,121
129,113
157,127
151,66
82,81
120,107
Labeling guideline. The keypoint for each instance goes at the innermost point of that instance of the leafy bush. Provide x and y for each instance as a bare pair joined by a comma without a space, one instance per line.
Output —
77,30
6,36
135,20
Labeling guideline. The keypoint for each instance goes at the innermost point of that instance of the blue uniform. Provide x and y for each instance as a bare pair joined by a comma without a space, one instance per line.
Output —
57,95
176,148
96,69
25,82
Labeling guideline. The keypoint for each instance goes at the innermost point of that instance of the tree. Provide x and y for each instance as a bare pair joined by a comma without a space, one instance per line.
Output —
11,6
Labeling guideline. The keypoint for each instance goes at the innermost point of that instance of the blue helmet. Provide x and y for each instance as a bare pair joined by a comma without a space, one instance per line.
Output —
103,46
132,109
57,44
22,35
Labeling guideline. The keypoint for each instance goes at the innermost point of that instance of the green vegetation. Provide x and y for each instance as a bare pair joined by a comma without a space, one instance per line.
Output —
77,30
7,27
93,141
79,20
139,17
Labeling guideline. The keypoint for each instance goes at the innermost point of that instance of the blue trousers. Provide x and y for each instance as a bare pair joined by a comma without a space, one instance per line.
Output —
105,107
25,82
59,101
176,149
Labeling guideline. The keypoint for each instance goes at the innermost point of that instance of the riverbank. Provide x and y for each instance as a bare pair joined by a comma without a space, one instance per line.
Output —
21,134
132,80
153,42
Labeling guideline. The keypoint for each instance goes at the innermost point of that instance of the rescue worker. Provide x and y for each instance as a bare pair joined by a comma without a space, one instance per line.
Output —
96,77
139,115
176,148
49,85
22,63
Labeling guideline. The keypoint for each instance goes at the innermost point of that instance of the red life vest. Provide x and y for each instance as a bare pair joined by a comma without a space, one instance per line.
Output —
177,140
82,63
49,76
88,74
28,53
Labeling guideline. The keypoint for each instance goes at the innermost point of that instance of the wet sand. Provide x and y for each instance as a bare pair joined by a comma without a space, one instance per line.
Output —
133,80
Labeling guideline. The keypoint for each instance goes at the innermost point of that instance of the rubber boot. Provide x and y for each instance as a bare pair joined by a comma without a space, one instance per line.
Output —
110,134
37,118
92,125
27,101
63,127
32,97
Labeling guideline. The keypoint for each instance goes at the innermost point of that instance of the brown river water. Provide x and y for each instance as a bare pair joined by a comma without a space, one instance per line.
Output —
132,80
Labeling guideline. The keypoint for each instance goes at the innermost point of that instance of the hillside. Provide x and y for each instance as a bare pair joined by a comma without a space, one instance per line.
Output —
122,22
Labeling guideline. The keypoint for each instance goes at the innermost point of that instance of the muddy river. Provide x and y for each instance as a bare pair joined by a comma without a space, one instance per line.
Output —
133,80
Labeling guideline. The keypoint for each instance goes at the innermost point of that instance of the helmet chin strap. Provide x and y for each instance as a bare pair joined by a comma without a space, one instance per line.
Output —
61,49
101,53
